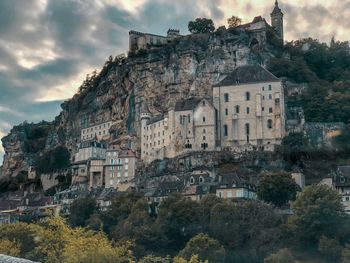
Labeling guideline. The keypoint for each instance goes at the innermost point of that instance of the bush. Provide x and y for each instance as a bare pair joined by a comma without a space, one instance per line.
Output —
330,248
53,159
282,256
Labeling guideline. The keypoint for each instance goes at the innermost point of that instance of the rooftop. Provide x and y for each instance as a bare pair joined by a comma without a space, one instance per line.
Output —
247,75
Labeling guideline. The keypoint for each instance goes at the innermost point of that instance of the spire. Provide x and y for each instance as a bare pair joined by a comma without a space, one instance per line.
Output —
277,9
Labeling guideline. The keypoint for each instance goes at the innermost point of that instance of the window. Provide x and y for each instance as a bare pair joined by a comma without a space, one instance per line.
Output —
247,128
203,119
204,138
226,97
189,118
204,131
248,110
269,124
270,87
226,111
225,130
237,108
201,179
262,109
263,88
229,194
270,96
247,96
192,180
270,110
203,103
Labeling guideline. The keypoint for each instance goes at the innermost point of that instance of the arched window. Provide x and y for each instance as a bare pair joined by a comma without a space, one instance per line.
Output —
248,110
247,95
192,180
225,130
269,124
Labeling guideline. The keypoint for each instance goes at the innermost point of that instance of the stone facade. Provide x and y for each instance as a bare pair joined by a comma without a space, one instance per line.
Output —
89,150
139,40
190,126
119,167
99,132
96,167
251,109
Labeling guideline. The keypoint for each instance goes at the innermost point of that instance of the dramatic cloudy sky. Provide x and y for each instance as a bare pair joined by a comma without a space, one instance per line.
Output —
48,46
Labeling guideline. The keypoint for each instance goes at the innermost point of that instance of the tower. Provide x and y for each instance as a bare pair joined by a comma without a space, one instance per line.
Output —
145,116
277,20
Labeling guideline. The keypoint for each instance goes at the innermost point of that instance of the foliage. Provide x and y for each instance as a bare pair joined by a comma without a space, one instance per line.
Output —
326,70
330,249
80,211
246,226
234,21
155,259
201,25
294,146
10,248
193,259
36,137
281,256
55,242
205,247
317,211
53,159
277,189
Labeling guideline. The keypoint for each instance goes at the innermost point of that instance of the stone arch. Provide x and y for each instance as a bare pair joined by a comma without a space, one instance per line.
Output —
254,43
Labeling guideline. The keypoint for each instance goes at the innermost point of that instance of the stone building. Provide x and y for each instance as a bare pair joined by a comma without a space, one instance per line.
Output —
119,167
260,30
96,171
99,132
90,149
250,108
189,126
139,40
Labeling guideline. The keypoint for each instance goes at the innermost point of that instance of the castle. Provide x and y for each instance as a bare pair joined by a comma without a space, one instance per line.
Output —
259,30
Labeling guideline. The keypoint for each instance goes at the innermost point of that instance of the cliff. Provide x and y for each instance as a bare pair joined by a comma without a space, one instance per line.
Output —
158,77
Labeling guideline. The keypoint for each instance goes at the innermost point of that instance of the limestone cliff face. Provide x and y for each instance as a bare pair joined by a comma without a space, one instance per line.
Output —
158,77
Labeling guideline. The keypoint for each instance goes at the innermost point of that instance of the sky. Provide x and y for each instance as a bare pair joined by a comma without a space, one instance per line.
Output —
48,46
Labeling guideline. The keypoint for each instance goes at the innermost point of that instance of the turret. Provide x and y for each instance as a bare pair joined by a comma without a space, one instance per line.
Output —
277,21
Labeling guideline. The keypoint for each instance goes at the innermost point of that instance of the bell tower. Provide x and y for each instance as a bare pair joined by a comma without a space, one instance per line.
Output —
277,21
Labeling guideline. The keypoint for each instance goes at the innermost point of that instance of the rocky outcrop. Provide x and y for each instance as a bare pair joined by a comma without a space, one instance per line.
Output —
158,77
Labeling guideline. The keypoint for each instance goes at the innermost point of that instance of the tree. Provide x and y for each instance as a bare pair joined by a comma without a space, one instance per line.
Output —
155,259
277,189
282,256
10,248
205,247
201,25
234,21
53,159
81,210
317,211
246,226
330,249
177,222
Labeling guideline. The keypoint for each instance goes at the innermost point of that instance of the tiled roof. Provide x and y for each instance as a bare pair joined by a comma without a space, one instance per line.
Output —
155,119
246,75
187,104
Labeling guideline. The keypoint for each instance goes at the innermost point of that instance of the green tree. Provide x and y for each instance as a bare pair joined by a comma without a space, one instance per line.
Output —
234,21
330,249
155,259
277,188
201,25
282,256
81,210
205,247
53,159
177,222
317,211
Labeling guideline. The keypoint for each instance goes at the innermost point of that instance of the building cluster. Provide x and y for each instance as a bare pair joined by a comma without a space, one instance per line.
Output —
246,113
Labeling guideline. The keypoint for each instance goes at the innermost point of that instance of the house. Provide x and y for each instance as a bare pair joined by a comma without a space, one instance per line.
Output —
188,127
250,108
119,167
232,186
99,132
